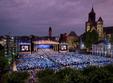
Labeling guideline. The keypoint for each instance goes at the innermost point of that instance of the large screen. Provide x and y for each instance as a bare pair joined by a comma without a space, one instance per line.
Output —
24,48
44,46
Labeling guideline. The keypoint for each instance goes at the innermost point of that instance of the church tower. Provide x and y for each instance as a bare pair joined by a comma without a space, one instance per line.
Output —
88,26
91,23
92,16
100,28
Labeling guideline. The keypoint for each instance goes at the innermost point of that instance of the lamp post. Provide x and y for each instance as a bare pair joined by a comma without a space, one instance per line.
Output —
82,46
109,48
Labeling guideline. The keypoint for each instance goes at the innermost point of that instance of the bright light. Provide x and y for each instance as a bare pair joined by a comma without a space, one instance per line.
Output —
109,46
82,46
63,47
44,46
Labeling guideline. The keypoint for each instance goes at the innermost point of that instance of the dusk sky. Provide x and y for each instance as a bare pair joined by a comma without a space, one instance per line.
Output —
25,17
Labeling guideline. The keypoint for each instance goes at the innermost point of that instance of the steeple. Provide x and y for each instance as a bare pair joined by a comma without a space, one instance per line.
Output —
92,10
92,16
100,19
91,23
92,6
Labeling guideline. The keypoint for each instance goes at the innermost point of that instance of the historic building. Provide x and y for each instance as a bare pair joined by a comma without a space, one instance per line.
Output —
92,24
108,31
103,48
72,40
105,34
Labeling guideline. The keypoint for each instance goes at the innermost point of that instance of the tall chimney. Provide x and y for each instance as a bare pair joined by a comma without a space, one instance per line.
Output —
50,32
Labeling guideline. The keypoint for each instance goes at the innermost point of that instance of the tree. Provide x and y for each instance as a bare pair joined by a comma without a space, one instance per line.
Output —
90,38
66,75
89,69
100,75
91,74
44,73
109,68
111,39
4,66
45,76
15,77
1,47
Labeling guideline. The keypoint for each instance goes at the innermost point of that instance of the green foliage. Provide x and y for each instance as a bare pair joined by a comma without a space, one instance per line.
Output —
90,38
43,73
3,62
100,75
15,77
109,68
1,47
111,39
45,76
91,74
10,77
69,76
4,66
89,69
63,76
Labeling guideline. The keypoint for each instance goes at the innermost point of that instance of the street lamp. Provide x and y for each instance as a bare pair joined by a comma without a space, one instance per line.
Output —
109,46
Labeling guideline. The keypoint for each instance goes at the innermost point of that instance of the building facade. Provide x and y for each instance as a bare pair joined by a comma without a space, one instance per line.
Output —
92,24
102,48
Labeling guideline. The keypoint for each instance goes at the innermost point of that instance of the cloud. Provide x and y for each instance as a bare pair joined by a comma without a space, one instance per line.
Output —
35,16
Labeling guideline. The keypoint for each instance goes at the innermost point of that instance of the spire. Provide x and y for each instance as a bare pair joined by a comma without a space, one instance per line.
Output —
92,4
92,10
100,19
92,14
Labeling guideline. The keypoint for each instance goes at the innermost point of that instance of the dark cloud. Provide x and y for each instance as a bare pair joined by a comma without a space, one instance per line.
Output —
35,16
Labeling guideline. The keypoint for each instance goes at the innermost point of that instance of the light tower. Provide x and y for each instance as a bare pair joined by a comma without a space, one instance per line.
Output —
50,32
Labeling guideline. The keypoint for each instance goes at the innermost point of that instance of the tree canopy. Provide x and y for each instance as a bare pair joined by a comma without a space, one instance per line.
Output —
90,38
90,74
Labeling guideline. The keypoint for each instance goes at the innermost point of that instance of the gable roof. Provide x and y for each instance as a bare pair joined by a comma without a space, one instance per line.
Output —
108,30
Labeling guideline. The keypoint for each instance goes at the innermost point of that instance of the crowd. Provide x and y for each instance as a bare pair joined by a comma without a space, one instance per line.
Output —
47,58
